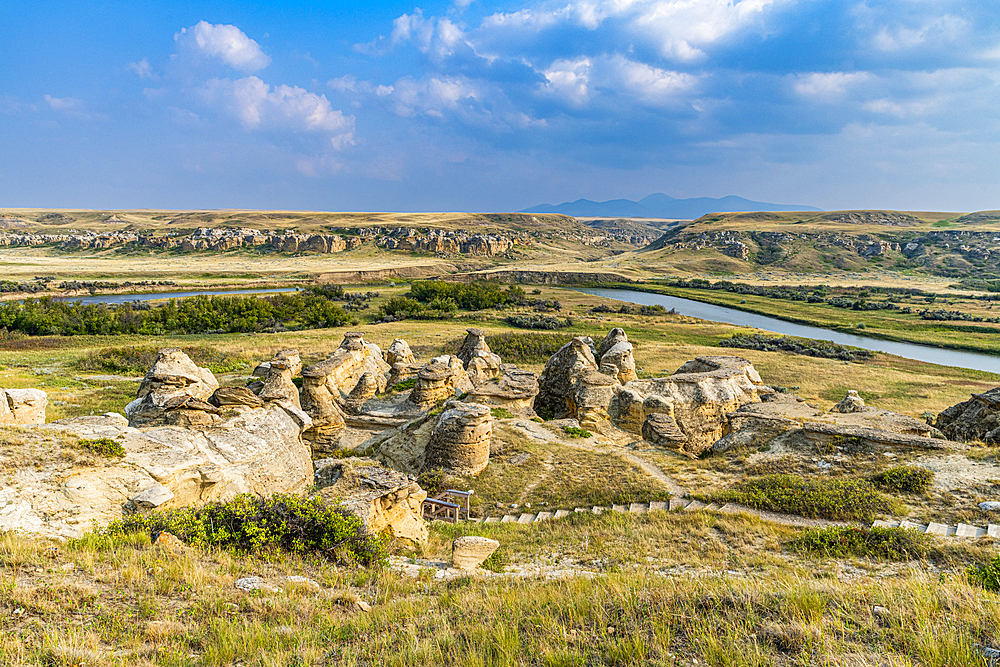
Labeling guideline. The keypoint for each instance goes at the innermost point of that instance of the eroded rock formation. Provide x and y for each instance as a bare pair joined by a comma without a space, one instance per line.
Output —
558,378
616,360
975,419
381,498
439,380
514,390
460,442
23,406
399,352
850,403
174,391
590,397
479,361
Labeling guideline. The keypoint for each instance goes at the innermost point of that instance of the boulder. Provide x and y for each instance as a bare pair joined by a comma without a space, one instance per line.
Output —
850,403
173,373
479,361
381,498
514,390
559,377
290,356
471,551
23,406
661,430
616,360
439,380
399,352
234,396
698,396
977,419
461,440
588,402
278,385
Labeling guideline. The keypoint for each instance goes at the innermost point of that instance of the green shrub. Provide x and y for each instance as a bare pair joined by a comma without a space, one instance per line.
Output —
103,447
537,322
839,498
468,296
250,524
986,576
501,413
526,347
903,479
897,544
404,385
576,432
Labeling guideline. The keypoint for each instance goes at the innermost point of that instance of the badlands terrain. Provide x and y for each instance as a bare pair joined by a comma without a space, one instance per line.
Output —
264,480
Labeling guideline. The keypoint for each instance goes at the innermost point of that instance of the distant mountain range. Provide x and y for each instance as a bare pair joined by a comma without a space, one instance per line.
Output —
662,206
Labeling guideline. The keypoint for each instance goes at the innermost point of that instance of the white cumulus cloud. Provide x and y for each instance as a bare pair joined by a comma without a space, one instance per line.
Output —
225,42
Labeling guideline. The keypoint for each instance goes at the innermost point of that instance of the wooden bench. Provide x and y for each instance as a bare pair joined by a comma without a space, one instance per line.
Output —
451,506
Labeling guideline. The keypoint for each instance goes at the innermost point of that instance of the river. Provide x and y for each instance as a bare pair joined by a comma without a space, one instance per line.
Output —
707,311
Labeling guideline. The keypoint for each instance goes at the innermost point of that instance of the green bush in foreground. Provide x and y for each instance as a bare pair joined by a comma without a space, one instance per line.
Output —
986,576
903,479
103,447
839,498
897,544
250,524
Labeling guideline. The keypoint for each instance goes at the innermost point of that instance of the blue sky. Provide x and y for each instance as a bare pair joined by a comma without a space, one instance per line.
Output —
492,106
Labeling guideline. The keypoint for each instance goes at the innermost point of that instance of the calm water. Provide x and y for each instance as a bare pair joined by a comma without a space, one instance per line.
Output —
707,311
125,298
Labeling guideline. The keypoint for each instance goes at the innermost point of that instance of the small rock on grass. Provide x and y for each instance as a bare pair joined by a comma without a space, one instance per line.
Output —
169,542
990,505
250,584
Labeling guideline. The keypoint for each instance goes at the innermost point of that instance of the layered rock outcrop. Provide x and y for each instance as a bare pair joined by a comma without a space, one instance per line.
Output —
590,397
460,442
514,390
399,352
289,356
23,406
382,498
174,391
479,361
977,419
616,359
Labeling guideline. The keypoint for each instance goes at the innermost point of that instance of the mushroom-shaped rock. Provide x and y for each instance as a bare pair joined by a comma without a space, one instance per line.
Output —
850,403
174,373
364,390
975,419
441,379
471,551
290,356
616,357
461,440
278,385
23,406
589,400
399,352
559,377
479,361
514,390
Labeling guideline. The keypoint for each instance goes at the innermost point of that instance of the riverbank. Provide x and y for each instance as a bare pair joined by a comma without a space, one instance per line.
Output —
883,325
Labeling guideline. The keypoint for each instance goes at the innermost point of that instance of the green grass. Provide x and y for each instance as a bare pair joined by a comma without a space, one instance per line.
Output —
103,447
897,544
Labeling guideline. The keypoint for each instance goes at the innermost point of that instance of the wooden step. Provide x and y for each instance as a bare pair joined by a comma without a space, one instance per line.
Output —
713,507
561,513
910,525
599,509
492,519
879,523
543,516
508,518
993,530
657,506
619,508
638,508
526,518
695,505
965,530
679,503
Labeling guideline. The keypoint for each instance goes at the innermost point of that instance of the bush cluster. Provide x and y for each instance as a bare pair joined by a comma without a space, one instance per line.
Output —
197,314
526,347
103,447
576,432
838,498
987,575
904,479
544,322
897,544
478,295
812,348
250,524
137,359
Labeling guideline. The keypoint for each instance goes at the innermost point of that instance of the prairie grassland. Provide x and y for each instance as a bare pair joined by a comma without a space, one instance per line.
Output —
665,589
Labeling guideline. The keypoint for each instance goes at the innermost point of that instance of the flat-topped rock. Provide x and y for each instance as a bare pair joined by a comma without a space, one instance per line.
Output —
514,390
471,551
23,406
832,434
460,441
977,419
232,396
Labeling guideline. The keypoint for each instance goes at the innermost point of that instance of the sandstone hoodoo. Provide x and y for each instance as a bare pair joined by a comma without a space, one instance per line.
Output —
480,362
174,390
326,386
278,385
850,403
977,419
399,352
441,379
461,440
290,357
381,498
590,397
615,354
559,377
364,390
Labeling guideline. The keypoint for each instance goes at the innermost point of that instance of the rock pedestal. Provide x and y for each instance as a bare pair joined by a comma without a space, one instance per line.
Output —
363,391
461,440
850,403
589,400
290,357
514,390
558,378
174,392
399,352
616,359
479,361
